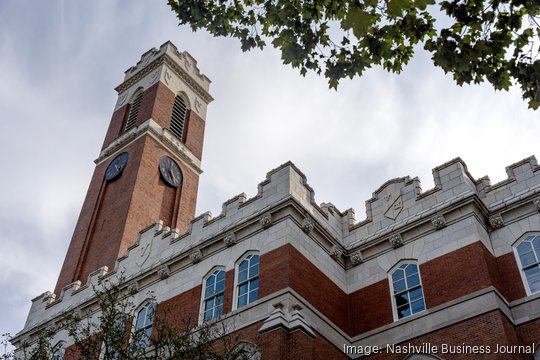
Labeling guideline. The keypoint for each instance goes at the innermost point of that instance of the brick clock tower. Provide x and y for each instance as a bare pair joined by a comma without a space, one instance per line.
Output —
149,165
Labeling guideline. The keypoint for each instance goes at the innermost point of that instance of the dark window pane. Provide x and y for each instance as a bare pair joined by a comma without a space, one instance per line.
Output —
413,281
242,276
399,286
527,259
415,294
243,289
418,306
404,311
402,300
397,275
254,284
242,300
533,278
253,295
253,271
243,265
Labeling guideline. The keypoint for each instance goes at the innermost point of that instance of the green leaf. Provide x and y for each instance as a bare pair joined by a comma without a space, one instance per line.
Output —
358,20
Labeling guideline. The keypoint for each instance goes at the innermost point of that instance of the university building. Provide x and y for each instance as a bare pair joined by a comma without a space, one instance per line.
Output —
452,272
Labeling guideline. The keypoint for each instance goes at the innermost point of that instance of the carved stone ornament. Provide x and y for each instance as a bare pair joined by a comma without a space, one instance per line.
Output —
308,225
197,104
496,221
229,239
266,220
537,203
335,252
195,256
164,272
133,288
438,221
122,99
357,257
396,240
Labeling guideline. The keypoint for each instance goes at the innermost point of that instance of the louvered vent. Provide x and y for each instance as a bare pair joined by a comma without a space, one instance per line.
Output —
134,111
178,117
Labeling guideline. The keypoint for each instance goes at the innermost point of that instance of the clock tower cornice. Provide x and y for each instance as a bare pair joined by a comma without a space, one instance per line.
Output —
163,136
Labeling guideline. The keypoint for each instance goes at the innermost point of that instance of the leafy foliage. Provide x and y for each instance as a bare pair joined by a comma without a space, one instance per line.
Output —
481,40
104,332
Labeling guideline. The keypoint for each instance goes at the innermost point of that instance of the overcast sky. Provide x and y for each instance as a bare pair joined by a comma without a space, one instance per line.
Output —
59,64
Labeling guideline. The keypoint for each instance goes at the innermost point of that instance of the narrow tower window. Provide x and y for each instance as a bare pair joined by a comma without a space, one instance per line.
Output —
214,289
247,280
408,297
144,322
528,252
134,110
178,118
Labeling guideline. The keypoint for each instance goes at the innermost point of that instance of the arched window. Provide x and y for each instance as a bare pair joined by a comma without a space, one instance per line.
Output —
59,350
178,118
247,280
134,106
406,287
214,289
143,323
527,250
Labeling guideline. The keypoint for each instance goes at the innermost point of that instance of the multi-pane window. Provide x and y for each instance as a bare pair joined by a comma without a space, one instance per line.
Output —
143,323
134,110
528,252
214,289
178,117
248,280
407,290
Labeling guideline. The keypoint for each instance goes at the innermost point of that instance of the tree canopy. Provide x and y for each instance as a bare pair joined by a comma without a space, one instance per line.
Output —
474,40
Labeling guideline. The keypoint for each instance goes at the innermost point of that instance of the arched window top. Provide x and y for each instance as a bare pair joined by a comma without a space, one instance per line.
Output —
134,106
406,288
527,251
213,294
144,320
247,279
179,114
59,350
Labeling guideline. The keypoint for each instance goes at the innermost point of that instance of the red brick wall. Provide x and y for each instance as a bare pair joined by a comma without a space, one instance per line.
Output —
113,213
194,133
511,284
182,309
286,267
116,125
529,333
370,307
488,329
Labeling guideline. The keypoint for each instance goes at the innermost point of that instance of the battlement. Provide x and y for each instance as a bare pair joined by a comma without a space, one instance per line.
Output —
396,205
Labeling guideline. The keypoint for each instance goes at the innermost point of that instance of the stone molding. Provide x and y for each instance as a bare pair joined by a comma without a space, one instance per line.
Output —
336,252
496,221
307,225
438,221
195,256
164,272
536,203
266,220
395,240
357,257
229,239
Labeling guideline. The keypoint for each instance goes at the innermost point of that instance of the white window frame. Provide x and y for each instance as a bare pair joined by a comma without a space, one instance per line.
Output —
237,272
203,299
518,261
392,296
136,315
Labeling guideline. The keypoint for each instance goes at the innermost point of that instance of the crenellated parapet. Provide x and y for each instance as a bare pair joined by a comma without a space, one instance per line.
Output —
284,210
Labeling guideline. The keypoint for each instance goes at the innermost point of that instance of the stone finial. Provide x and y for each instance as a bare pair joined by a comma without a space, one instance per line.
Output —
537,203
438,221
164,272
496,221
336,252
195,256
229,239
357,257
308,225
266,220
395,240
133,287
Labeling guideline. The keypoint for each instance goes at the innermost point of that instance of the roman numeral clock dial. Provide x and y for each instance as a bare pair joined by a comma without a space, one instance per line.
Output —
115,168
170,172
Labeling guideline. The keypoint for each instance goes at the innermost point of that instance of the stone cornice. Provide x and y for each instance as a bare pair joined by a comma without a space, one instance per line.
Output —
165,59
164,136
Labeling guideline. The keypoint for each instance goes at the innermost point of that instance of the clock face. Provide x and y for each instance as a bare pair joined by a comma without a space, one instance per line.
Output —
170,171
116,167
